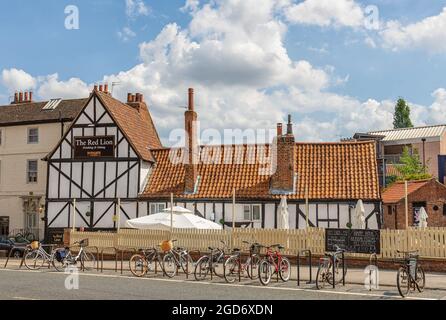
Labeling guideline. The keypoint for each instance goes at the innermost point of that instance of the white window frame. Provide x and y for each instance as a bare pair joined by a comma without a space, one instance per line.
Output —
28,135
28,171
250,208
158,207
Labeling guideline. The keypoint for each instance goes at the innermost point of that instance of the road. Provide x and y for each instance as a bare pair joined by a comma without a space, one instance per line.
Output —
35,285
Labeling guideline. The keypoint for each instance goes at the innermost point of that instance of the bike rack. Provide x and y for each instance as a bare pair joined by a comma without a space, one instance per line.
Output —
373,257
334,270
27,249
310,266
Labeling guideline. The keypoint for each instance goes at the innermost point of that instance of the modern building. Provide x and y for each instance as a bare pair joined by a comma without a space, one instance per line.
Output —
112,162
28,131
429,142
429,194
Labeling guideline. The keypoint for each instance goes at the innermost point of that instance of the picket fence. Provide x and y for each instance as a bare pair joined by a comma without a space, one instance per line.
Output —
430,242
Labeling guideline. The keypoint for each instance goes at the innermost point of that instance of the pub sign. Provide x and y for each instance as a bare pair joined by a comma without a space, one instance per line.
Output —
93,147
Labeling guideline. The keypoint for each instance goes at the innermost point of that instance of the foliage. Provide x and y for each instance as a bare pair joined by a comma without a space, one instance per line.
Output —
401,117
411,167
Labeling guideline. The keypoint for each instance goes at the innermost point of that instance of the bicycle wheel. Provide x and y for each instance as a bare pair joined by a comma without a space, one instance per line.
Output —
420,279
403,281
265,272
231,269
88,261
202,268
34,260
218,266
285,269
252,267
338,271
138,265
323,273
170,265
187,263
58,265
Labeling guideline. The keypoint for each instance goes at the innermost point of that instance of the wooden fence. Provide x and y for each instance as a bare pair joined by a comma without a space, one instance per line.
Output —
430,242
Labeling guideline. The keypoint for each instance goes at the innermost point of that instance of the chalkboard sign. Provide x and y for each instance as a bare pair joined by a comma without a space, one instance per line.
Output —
352,240
55,236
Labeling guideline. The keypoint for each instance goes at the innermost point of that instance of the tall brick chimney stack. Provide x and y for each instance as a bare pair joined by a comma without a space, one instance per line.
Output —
282,180
191,160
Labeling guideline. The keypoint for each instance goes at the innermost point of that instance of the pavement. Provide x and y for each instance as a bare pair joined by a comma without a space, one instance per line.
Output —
22,284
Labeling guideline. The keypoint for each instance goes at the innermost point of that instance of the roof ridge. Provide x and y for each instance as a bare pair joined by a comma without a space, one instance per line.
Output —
403,129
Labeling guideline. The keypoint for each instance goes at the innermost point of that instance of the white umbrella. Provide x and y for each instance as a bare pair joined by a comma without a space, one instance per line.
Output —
360,215
423,218
283,215
161,221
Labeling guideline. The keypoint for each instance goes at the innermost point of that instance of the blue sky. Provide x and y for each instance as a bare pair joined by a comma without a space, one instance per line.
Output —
347,69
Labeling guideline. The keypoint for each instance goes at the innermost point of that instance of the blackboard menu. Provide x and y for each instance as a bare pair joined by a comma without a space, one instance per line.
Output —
353,241
55,236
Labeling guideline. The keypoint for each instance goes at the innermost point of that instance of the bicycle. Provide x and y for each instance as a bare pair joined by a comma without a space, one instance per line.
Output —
204,266
325,270
145,261
35,258
176,258
66,257
274,259
410,274
233,265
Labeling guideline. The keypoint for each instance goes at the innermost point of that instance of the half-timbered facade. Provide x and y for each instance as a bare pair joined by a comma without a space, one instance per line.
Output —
332,177
104,156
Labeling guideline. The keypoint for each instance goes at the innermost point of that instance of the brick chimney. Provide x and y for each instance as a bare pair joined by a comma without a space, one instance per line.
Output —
191,150
135,100
282,180
23,97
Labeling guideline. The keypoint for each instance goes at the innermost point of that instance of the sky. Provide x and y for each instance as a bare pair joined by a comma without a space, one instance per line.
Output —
337,66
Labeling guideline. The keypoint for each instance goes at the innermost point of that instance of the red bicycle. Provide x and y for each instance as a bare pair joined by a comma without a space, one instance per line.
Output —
274,263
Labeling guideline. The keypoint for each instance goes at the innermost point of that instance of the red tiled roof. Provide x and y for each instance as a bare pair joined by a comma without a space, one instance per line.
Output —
343,171
395,193
137,125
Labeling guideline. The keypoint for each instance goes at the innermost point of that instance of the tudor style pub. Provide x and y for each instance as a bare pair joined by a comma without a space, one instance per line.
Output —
112,155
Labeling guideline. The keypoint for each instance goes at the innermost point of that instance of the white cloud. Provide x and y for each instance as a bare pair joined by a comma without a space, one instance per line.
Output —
236,60
14,80
324,13
51,87
135,8
126,34
428,34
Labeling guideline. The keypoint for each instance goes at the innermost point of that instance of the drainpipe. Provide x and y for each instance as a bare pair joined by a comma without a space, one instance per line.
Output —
61,124
424,151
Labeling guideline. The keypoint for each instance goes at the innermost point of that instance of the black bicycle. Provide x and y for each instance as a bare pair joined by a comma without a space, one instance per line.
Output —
325,270
410,274
211,263
145,261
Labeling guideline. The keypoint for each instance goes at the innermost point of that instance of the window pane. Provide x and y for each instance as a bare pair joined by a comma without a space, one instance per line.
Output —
247,213
33,135
161,207
256,212
32,171
152,208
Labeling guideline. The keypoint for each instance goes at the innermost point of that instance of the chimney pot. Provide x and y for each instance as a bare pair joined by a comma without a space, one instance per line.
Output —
191,99
138,97
289,129
16,97
30,96
26,96
106,88
95,87
101,87
20,96
279,129
129,97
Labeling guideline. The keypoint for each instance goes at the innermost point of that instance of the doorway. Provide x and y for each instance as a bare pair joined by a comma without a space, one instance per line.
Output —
4,226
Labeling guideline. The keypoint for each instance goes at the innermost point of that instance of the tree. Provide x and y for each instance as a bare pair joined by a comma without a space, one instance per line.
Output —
401,117
411,167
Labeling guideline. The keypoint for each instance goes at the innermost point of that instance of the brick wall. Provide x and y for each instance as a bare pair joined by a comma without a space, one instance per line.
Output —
434,194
